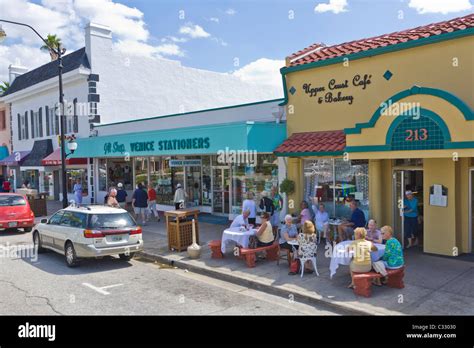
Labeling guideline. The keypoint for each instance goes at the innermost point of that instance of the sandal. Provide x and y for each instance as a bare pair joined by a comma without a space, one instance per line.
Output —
376,284
351,286
291,273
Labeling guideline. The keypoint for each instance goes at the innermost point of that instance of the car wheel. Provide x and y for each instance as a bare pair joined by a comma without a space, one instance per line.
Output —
126,257
37,243
28,229
70,255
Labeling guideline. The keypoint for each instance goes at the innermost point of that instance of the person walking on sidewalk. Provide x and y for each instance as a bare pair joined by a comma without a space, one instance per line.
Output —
410,212
121,196
152,203
140,203
179,198
77,189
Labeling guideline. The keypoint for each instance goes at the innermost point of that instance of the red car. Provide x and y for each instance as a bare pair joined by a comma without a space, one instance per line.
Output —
15,212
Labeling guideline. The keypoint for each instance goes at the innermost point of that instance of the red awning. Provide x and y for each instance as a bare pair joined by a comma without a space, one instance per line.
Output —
54,159
320,143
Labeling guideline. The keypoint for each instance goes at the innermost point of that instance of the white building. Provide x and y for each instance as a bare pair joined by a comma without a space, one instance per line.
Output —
103,85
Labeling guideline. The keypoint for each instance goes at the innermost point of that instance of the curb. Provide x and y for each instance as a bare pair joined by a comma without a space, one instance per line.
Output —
256,285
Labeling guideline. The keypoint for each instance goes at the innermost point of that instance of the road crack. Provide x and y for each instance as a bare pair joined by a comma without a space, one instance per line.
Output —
27,295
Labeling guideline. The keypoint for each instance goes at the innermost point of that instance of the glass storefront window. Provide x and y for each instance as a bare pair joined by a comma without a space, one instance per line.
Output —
102,174
72,175
30,178
193,183
261,177
206,181
119,171
160,176
141,171
335,183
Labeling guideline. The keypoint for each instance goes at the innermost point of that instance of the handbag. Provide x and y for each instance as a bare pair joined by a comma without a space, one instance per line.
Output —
295,266
253,242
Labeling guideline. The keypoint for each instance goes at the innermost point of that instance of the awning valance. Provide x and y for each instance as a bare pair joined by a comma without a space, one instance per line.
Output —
199,140
322,143
54,159
15,159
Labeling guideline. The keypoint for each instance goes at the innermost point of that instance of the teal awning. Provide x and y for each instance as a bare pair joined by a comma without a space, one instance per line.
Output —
4,152
199,140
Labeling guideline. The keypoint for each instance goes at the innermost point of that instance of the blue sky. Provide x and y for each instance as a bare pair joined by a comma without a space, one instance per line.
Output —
249,38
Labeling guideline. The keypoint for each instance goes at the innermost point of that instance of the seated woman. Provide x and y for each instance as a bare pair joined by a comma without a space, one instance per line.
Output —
373,233
309,232
305,214
265,232
393,254
288,232
322,221
361,261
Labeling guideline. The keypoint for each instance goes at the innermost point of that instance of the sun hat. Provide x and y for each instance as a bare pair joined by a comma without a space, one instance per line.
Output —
119,184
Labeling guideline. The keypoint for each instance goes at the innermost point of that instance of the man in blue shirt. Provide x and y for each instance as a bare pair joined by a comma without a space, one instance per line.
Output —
410,214
121,196
346,229
140,203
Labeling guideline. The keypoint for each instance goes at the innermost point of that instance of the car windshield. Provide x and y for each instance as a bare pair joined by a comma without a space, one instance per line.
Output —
111,221
6,201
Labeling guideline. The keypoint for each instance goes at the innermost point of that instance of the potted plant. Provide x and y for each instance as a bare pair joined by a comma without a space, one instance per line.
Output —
287,187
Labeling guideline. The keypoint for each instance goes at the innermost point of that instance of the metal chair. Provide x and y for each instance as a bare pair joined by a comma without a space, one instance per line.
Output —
307,251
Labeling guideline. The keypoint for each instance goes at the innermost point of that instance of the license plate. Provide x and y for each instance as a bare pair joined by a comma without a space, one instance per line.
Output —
12,224
116,238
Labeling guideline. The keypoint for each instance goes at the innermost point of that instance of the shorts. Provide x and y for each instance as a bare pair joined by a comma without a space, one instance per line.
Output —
349,231
411,226
262,244
139,210
288,246
360,268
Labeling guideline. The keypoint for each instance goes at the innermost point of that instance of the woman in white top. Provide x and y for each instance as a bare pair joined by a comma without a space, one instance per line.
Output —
249,204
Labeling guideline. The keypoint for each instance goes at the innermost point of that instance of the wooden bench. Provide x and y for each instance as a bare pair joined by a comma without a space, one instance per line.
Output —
215,246
249,255
363,281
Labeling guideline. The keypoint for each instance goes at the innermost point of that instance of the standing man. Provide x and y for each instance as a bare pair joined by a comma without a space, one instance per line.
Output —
140,203
77,189
179,198
410,213
346,229
121,196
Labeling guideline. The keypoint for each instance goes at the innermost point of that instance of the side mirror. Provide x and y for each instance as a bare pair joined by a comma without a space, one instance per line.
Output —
44,221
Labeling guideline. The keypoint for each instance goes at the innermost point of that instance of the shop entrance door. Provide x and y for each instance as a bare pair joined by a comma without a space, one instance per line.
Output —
220,190
403,180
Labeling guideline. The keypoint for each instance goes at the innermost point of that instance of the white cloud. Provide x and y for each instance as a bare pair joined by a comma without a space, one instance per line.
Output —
194,31
263,71
214,19
174,39
219,41
335,6
67,18
440,6
230,11
137,48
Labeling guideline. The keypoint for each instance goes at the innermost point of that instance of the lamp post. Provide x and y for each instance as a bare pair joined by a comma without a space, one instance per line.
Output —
59,51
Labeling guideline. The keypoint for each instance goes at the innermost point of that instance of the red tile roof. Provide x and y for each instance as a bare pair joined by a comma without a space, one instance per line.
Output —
318,52
323,141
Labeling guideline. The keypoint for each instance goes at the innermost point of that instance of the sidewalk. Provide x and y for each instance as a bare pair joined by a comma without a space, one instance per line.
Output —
433,284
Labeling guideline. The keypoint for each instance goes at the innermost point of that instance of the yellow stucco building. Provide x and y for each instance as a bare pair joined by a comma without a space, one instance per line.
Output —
372,118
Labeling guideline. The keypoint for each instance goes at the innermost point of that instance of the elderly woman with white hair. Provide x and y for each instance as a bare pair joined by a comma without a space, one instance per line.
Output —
112,200
288,232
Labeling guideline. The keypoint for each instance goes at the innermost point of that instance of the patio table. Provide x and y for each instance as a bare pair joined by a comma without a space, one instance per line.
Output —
236,234
340,256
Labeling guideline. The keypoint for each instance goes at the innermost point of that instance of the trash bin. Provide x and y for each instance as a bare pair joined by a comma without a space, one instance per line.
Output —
179,227
38,204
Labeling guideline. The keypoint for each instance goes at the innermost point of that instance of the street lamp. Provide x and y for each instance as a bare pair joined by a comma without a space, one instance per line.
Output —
59,51
72,146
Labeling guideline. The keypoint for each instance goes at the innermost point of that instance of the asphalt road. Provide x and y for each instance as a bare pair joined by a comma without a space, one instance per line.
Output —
110,286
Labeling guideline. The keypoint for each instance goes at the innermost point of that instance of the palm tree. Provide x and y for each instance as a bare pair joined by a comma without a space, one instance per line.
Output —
4,86
53,41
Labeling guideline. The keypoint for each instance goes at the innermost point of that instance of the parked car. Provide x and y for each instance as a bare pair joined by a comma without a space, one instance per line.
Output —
89,231
15,212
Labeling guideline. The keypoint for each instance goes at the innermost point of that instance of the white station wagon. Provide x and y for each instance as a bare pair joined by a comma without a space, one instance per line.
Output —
89,231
